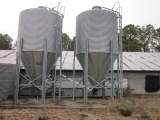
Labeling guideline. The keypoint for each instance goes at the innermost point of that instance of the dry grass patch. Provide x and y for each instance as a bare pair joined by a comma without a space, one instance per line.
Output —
113,104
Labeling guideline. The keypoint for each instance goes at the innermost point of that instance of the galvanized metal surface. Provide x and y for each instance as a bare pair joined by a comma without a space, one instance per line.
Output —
140,61
132,61
37,25
40,32
8,56
7,84
99,26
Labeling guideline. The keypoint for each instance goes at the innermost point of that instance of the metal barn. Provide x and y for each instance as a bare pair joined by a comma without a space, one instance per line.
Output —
136,65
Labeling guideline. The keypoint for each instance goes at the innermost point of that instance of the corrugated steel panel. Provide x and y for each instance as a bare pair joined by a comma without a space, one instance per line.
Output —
141,61
8,56
132,61
99,27
67,61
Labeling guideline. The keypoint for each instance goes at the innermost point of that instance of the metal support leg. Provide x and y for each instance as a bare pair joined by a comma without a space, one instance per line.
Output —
18,58
32,94
86,74
112,74
118,79
74,74
60,72
103,90
121,55
52,82
54,87
44,72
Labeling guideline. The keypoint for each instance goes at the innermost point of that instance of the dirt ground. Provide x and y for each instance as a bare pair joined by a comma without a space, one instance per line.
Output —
143,107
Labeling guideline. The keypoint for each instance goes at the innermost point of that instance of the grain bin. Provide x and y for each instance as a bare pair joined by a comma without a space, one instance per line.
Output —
37,27
98,26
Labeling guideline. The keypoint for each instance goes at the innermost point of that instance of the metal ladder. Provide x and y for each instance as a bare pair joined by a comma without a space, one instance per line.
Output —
120,55
56,89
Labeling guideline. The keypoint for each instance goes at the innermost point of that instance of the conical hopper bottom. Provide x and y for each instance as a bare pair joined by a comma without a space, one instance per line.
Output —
99,65
33,63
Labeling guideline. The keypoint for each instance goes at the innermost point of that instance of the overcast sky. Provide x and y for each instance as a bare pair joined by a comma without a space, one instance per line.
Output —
138,12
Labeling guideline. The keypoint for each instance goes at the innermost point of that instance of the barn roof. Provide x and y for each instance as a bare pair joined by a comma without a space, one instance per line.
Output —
8,56
132,61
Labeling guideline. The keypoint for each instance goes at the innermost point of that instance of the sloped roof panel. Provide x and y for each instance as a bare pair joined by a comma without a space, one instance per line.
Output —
132,61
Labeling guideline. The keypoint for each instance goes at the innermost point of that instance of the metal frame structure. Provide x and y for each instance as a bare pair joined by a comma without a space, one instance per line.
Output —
116,82
57,78
29,82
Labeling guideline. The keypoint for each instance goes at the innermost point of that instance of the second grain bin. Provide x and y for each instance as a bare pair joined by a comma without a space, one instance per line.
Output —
99,27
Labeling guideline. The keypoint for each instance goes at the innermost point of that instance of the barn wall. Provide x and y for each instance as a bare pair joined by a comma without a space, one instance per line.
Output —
137,81
7,80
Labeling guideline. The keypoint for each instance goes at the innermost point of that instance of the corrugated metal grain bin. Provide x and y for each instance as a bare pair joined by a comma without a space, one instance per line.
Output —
99,26
37,26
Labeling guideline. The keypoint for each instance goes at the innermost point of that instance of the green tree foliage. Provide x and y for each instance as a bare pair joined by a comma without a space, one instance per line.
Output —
147,38
130,39
5,42
157,48
158,32
158,40
67,43
136,38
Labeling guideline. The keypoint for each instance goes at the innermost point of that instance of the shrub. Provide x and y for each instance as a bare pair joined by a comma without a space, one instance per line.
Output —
125,110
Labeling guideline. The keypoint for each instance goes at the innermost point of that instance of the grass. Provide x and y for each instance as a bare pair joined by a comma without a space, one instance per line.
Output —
43,118
144,115
113,104
127,92
140,105
2,117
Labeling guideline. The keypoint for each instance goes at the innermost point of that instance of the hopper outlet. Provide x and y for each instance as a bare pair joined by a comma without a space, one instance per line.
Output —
33,63
99,65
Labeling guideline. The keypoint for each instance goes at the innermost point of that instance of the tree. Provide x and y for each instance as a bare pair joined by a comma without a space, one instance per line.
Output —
157,48
67,43
158,40
144,38
158,32
5,42
148,38
130,38
72,44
